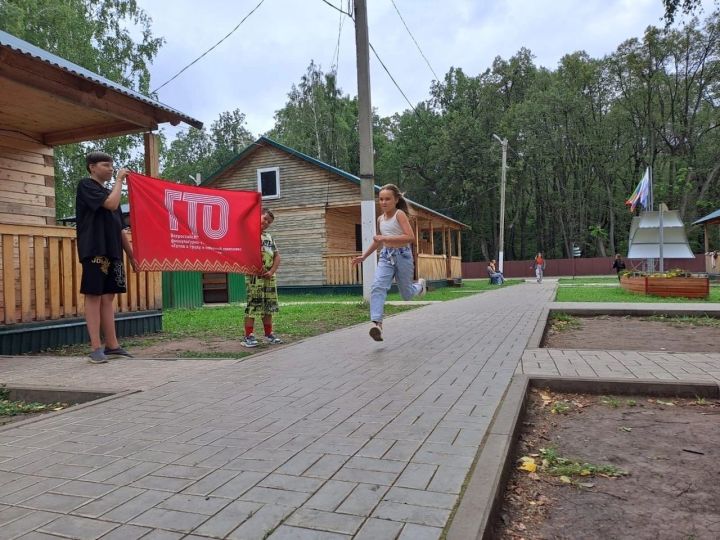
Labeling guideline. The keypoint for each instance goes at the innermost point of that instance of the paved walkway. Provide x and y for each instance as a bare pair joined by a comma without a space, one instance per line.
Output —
333,437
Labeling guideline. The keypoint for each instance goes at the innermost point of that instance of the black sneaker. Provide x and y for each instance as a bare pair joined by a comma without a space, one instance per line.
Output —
117,353
376,332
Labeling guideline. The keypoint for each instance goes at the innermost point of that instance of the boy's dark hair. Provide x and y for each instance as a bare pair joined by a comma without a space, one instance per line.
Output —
96,157
268,212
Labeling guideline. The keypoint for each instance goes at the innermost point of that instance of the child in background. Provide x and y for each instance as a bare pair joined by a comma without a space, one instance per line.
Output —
539,265
396,258
262,296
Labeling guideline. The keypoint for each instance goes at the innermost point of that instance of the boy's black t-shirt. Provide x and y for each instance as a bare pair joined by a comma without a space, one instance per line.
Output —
99,230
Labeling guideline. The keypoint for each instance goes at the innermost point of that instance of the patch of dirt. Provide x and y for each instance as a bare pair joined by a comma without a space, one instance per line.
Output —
194,347
669,448
634,334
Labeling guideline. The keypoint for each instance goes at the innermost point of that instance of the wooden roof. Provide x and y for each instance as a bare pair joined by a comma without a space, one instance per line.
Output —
57,102
427,213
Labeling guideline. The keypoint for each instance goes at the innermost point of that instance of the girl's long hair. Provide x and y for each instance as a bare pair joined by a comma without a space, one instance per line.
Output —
401,202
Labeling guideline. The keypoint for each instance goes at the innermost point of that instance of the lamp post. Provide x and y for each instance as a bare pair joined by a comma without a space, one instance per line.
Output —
503,169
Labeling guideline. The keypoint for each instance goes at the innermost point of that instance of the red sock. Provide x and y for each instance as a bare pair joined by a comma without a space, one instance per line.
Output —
248,329
268,328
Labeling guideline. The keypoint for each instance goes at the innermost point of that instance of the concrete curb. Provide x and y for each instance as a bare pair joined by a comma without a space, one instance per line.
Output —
479,503
56,394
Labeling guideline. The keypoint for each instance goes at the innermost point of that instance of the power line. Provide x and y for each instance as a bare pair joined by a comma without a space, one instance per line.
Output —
211,48
415,41
392,78
338,9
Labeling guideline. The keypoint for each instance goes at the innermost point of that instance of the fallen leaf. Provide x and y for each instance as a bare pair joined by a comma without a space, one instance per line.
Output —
565,480
586,484
660,402
546,399
625,428
528,466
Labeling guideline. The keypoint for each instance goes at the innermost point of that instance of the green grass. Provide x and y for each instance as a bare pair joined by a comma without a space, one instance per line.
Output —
301,316
686,320
609,290
555,465
13,408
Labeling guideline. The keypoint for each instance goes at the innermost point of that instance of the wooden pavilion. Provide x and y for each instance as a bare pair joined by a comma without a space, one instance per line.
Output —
46,101
712,260
317,219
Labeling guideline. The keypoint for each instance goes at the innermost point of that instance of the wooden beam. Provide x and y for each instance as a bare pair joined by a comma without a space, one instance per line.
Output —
459,243
432,238
93,132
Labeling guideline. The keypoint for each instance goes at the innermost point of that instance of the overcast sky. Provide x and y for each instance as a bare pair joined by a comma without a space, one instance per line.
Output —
255,68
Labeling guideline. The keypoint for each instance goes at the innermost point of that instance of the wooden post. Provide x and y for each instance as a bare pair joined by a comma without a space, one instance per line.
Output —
432,239
152,157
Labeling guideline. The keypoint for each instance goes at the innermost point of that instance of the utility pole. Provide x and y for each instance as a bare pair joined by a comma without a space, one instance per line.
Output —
503,175
367,168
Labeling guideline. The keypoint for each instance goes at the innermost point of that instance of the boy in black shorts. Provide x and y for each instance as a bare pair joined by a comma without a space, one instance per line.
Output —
101,241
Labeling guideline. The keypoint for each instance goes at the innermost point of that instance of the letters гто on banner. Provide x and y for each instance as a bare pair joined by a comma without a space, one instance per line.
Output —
181,227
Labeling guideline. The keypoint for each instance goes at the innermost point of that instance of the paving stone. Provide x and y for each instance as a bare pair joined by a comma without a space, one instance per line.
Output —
107,502
291,483
261,522
330,495
193,503
285,532
79,528
326,466
172,520
363,499
126,532
279,497
239,484
448,479
162,483
27,523
310,518
422,515
228,519
379,529
55,502
359,475
418,497
412,531
136,506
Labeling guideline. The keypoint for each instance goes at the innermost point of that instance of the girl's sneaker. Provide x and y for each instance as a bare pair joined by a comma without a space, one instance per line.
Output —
376,332
98,356
249,341
272,339
423,287
117,353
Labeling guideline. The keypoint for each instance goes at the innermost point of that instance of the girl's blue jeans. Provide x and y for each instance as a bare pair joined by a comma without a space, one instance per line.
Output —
394,263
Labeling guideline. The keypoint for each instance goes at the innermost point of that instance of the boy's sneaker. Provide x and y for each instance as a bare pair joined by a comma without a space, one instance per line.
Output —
423,285
117,353
249,341
272,339
376,332
98,356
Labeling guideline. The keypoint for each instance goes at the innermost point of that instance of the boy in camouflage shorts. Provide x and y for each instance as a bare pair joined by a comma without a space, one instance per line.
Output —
262,296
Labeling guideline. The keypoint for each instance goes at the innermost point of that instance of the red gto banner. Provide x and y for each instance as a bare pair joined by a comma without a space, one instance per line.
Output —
180,227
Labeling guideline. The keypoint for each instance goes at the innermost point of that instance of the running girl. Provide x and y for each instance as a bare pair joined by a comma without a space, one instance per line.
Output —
396,258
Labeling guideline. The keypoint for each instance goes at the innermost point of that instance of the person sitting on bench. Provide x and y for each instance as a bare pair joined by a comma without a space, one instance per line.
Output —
496,278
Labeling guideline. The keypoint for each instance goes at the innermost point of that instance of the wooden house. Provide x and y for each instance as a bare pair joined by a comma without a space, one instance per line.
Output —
317,218
46,101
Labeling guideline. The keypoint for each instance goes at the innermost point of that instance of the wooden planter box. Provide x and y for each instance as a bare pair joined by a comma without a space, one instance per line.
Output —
688,287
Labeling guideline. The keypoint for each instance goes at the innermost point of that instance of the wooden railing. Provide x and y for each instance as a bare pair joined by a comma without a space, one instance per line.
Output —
41,277
432,266
340,271
455,267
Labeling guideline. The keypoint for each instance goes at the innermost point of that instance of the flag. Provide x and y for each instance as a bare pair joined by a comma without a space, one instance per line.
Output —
641,193
181,227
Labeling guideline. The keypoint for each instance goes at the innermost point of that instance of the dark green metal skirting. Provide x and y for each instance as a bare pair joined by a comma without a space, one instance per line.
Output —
40,336
341,289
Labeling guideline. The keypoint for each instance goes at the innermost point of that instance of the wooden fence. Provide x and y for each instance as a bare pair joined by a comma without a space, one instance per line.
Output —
41,277
340,271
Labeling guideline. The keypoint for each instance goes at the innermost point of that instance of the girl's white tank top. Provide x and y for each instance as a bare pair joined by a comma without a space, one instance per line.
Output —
390,227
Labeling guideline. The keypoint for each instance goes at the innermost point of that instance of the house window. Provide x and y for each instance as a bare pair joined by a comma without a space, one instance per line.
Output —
269,182
358,237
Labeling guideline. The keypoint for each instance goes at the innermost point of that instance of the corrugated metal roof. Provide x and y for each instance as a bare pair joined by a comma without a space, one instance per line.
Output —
17,44
321,164
710,217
